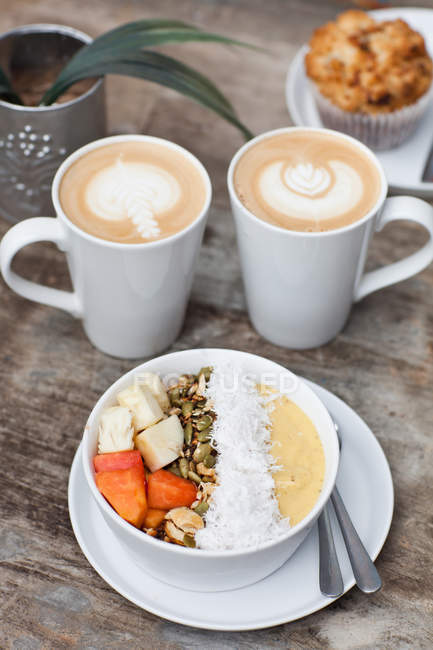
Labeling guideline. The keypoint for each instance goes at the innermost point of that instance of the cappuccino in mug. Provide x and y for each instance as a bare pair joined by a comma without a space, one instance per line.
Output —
131,280
307,181
133,192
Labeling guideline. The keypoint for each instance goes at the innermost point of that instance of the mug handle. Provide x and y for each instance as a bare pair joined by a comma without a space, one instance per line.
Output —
400,208
29,232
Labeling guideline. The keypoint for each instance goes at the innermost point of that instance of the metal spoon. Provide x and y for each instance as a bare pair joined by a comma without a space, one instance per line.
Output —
366,575
330,579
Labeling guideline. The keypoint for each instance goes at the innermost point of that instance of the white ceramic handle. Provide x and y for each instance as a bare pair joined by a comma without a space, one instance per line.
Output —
400,208
29,232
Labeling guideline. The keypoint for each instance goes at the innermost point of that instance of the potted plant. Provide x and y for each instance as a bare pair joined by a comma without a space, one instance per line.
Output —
52,96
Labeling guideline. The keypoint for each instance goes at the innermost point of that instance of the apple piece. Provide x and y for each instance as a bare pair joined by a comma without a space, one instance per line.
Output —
156,387
161,443
143,406
115,430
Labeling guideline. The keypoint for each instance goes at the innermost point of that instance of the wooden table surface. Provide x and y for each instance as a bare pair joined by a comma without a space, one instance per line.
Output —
51,376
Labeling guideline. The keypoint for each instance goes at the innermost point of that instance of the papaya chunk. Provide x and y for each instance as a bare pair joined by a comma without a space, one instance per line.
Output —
154,518
166,490
125,491
116,460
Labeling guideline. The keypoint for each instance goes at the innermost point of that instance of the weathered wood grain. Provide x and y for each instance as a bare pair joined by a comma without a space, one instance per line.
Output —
50,376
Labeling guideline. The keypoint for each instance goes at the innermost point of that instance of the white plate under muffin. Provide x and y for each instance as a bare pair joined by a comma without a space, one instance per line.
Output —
404,165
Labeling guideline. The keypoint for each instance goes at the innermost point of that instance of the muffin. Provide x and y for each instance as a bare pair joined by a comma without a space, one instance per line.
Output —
370,79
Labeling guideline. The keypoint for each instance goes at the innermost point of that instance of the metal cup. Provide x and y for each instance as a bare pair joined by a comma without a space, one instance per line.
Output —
35,140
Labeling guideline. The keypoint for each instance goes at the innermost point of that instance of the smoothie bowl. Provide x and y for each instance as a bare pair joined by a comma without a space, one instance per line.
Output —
210,466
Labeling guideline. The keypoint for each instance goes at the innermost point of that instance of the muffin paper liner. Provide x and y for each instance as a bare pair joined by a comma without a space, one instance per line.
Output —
379,131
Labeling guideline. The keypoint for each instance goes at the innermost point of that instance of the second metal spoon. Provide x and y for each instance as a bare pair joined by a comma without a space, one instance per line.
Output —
366,575
330,579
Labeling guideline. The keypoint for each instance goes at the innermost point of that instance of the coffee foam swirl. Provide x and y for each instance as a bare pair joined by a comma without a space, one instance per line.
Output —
304,191
133,191
307,180
138,191
304,178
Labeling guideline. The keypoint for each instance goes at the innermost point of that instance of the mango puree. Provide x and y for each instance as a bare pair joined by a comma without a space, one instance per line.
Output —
296,447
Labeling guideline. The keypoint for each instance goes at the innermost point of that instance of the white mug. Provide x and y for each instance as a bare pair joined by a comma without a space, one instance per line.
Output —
131,297
300,286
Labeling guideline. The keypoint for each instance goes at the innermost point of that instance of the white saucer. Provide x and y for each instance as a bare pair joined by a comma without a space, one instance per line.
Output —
365,482
404,165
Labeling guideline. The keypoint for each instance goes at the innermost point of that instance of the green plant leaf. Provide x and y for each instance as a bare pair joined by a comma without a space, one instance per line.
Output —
123,51
148,25
162,69
121,47
140,34
148,33
6,91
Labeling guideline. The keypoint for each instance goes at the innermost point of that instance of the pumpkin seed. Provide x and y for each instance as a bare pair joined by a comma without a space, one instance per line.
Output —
204,436
194,477
206,371
209,460
208,479
204,422
189,540
203,450
174,469
187,408
174,396
183,467
187,433
202,508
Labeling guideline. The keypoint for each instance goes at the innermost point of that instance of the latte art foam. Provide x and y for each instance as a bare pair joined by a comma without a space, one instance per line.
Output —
319,195
136,191
307,181
305,178
132,192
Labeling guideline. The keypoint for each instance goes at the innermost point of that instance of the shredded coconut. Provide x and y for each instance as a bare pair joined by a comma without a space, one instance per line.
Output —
243,512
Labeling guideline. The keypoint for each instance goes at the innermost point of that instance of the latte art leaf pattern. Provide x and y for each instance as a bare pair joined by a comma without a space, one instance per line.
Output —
136,203
135,191
306,179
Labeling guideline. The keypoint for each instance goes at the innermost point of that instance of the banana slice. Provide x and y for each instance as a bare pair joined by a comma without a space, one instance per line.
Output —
161,443
156,387
115,430
143,406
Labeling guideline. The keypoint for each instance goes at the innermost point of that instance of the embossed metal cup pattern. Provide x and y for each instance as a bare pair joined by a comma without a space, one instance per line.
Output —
35,140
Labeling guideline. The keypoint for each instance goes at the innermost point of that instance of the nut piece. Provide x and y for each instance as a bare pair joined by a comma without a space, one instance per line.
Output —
205,471
201,384
204,492
180,522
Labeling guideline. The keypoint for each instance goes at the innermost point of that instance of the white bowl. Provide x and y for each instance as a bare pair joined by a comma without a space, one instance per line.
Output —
197,569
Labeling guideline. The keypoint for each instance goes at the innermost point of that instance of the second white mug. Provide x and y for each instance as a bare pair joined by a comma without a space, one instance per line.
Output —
300,286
